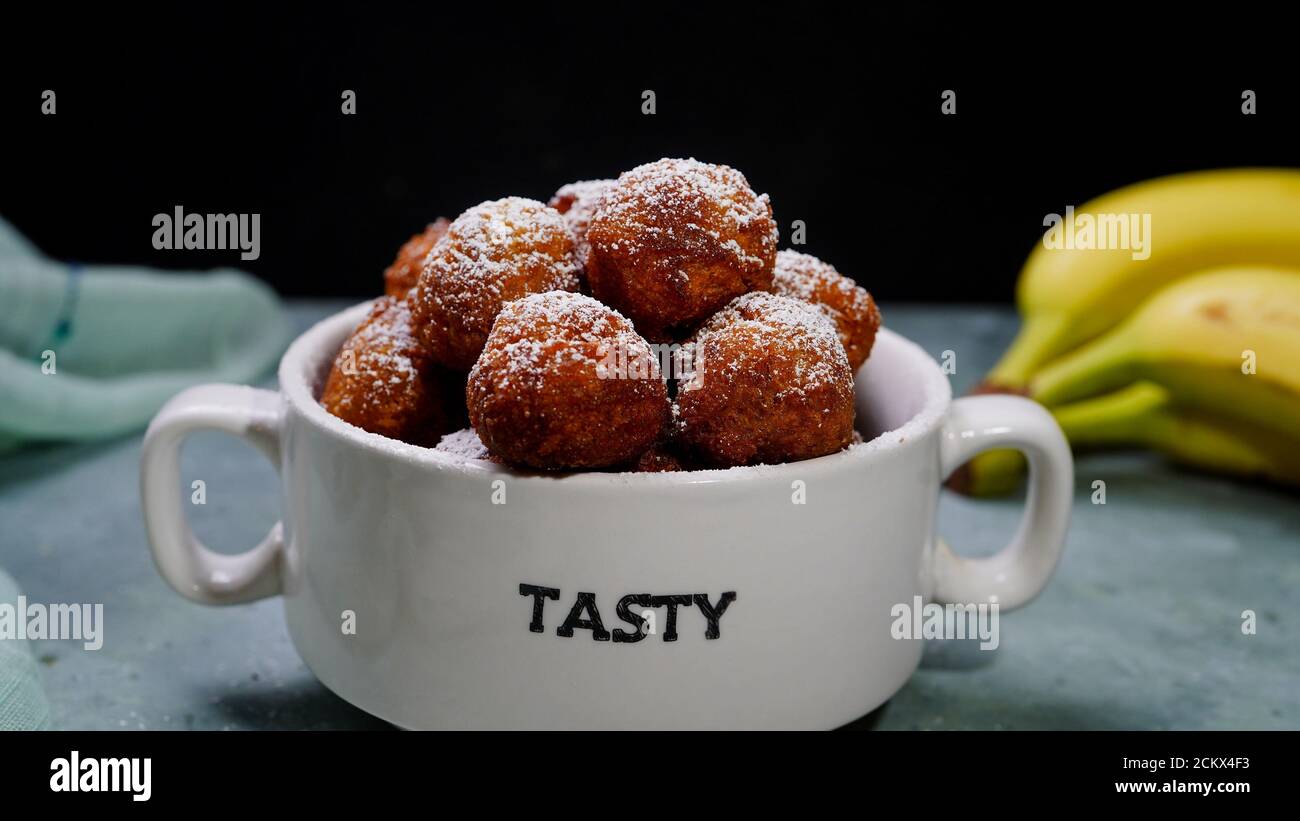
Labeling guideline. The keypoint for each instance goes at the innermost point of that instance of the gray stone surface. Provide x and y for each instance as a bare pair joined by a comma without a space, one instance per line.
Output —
1141,627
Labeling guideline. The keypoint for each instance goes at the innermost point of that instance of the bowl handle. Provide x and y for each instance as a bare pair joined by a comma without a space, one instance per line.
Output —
185,562
1018,572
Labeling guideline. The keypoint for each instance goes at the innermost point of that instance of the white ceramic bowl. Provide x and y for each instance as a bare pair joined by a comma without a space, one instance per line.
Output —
438,593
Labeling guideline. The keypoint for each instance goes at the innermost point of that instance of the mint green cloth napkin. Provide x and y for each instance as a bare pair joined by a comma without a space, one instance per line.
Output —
22,701
93,351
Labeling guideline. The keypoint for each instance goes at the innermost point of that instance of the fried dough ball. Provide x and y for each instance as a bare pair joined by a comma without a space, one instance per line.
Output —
565,382
383,381
577,201
849,306
675,240
493,253
402,275
773,385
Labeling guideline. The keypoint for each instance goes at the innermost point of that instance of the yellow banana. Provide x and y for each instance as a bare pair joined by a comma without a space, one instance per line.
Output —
1226,342
1200,220
1222,345
1146,415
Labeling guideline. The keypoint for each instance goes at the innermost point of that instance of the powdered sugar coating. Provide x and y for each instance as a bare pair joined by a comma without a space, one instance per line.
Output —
578,201
463,444
708,200
776,385
383,381
807,334
553,329
566,382
848,305
385,349
493,253
674,240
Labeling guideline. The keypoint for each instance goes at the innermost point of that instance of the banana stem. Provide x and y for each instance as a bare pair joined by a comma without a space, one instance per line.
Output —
1144,414
1121,418
1098,367
1039,339
1126,417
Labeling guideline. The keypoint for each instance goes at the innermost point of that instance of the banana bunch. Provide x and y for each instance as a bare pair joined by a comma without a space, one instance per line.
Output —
1146,415
1192,349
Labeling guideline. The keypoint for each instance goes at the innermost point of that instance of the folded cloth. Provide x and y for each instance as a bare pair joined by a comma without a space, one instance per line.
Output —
93,351
22,701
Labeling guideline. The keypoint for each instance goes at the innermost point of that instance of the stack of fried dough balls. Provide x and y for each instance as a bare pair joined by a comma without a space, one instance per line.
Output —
644,324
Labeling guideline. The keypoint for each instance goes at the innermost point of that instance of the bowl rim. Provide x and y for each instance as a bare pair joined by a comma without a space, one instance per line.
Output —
311,349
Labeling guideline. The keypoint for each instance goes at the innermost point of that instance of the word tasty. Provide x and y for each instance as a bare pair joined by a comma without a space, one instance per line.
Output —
637,610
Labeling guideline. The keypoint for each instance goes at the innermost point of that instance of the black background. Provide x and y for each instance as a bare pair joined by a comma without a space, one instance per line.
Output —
836,117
